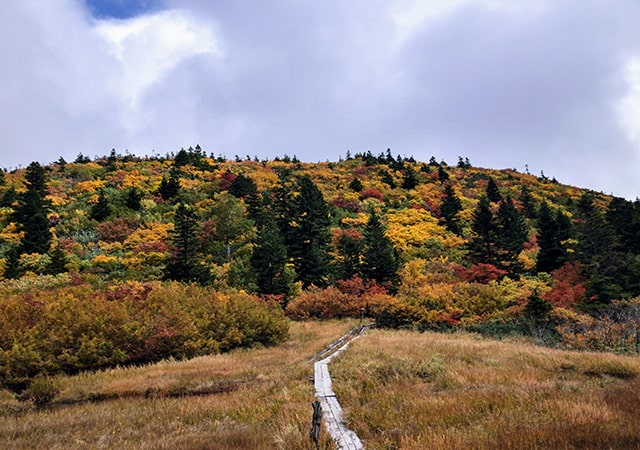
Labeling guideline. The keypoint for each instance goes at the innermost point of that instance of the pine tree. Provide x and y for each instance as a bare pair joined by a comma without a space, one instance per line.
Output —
133,199
492,192
310,236
528,202
356,185
182,265
449,209
101,209
31,212
242,186
58,263
379,260
483,243
551,255
169,187
269,260
512,234
595,251
12,266
410,179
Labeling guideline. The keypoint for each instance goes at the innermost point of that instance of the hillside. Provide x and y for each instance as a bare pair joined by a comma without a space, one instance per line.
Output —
424,245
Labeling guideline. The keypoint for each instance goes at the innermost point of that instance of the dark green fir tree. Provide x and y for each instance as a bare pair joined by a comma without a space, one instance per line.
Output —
31,212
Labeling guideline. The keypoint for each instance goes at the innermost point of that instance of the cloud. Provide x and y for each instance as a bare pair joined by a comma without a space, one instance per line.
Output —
552,85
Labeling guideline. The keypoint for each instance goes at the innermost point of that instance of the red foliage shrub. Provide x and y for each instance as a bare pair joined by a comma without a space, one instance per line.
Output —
568,286
347,205
372,193
117,230
152,246
479,273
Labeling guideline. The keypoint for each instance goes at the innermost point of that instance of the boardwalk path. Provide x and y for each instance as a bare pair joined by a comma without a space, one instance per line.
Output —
344,438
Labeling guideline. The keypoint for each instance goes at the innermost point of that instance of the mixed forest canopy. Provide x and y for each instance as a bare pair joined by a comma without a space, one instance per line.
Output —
415,244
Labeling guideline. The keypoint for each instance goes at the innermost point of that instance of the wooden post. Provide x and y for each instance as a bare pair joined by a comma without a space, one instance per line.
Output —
316,423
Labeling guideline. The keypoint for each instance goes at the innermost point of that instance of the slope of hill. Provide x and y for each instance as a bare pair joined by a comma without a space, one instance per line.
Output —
413,244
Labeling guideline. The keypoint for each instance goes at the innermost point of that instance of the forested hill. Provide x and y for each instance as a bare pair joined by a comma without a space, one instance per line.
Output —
412,242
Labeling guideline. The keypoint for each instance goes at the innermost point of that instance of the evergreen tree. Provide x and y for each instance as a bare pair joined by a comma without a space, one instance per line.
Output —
58,263
482,245
169,187
182,264
310,237
12,266
528,202
31,212
243,186
624,218
449,209
443,175
269,260
387,179
550,253
512,234
410,179
492,192
356,185
134,198
379,259
349,248
101,209
595,251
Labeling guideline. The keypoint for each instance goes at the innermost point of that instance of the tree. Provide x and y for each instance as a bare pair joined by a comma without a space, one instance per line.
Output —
551,255
492,192
58,263
134,198
482,245
310,236
227,230
595,251
101,209
528,202
450,208
443,175
169,187
349,246
269,261
379,259
182,264
243,186
512,234
356,185
31,212
410,179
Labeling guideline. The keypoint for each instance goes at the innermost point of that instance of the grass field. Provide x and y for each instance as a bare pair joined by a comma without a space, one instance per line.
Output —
398,389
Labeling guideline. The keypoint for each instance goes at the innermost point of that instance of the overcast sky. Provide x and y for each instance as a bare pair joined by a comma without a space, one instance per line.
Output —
551,86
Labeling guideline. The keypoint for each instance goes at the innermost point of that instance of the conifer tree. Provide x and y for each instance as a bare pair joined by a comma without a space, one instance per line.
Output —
482,244
551,254
410,179
169,187
528,202
356,185
512,234
101,209
58,261
182,264
133,199
379,259
31,212
449,209
269,260
310,236
242,186
492,192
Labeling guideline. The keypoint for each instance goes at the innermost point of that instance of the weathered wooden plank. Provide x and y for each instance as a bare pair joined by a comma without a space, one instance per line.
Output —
332,411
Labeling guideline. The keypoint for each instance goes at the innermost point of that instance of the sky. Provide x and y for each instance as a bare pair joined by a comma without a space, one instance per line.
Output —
547,86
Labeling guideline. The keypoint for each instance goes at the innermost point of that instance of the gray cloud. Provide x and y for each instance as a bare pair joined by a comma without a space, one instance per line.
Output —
503,83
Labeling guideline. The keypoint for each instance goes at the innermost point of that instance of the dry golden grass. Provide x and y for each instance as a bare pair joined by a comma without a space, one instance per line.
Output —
416,391
399,390
251,399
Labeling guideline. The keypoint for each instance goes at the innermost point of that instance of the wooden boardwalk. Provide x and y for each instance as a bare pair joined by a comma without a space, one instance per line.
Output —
344,438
